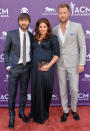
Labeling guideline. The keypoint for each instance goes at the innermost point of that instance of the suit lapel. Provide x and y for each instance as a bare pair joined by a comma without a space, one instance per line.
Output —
18,40
30,37
66,37
18,36
59,35
68,30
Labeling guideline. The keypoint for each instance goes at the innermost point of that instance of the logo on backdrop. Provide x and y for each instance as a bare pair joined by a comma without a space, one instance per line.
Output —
87,34
79,11
4,97
29,97
1,57
24,10
83,96
55,97
88,57
6,78
86,77
4,13
49,11
3,35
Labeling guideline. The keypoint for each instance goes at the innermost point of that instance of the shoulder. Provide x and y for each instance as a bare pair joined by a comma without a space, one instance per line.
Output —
55,30
12,32
75,24
55,27
30,34
54,38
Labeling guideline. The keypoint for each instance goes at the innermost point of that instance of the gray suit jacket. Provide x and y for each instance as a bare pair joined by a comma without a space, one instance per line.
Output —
73,51
12,47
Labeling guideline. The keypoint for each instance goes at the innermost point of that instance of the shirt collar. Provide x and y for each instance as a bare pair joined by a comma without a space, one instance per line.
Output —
21,32
67,24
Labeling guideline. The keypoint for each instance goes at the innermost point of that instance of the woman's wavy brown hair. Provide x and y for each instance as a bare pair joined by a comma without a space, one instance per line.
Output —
37,33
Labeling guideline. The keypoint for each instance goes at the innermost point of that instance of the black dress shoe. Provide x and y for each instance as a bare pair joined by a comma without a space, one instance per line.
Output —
42,122
75,115
11,122
30,116
23,117
64,117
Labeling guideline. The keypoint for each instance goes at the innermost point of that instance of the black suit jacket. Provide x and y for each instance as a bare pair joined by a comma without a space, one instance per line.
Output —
12,47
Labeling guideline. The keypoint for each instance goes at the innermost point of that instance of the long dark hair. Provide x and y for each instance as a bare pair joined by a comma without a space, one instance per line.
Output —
37,33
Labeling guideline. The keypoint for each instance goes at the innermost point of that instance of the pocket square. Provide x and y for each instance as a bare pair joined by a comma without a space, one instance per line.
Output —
71,33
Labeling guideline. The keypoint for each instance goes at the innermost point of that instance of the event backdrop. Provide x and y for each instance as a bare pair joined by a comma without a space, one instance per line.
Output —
9,11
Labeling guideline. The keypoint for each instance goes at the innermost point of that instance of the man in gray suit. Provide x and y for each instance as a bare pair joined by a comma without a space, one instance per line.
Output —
17,54
72,58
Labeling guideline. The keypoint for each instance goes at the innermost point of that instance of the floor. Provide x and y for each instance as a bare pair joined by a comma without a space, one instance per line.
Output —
52,124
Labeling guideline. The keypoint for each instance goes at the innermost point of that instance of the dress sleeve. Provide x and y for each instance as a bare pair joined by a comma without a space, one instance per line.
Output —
55,45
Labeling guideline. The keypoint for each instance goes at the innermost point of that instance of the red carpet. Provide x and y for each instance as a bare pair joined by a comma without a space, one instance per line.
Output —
53,124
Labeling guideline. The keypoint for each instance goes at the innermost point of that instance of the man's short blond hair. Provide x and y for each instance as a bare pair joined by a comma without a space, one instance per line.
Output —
63,5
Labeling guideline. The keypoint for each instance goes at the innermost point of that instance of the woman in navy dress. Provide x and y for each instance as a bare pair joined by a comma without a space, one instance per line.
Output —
45,53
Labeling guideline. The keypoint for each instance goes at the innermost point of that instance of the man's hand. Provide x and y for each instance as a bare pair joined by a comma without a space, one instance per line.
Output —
80,68
8,68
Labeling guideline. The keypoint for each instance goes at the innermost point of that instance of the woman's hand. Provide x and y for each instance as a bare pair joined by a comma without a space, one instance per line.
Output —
48,66
45,68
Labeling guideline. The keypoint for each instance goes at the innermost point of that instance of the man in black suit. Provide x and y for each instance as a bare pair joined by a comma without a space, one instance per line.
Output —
17,54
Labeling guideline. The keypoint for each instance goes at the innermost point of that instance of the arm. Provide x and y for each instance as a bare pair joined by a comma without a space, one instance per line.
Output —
82,46
7,49
56,52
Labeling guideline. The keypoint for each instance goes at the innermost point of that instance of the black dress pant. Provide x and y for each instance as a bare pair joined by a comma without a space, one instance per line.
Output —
18,73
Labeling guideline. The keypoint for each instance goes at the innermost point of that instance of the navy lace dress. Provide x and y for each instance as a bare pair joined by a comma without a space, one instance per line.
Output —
42,82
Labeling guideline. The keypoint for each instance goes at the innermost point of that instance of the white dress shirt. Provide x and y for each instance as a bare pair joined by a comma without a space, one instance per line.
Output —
27,46
61,35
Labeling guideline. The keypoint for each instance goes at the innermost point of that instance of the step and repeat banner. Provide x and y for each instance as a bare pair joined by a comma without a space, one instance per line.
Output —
9,11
